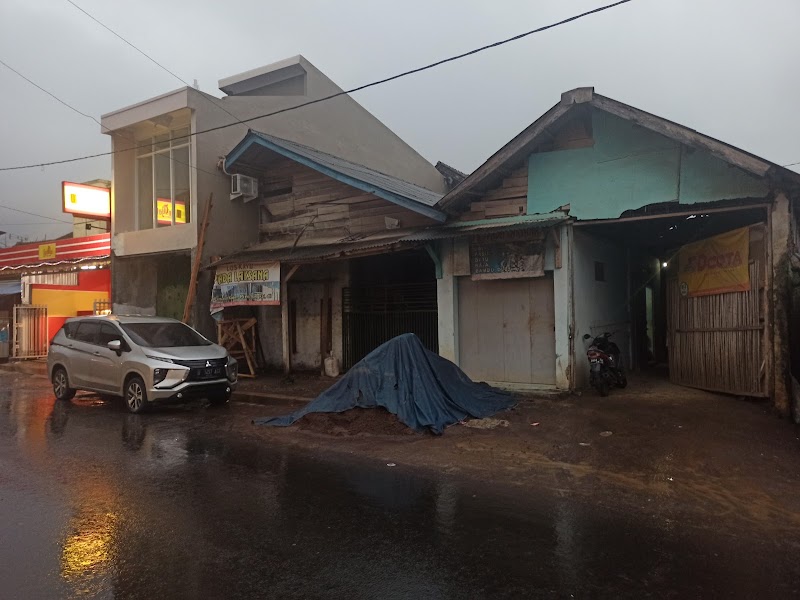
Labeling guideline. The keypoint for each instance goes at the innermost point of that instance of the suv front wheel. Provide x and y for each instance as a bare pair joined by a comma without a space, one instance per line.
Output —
135,394
61,387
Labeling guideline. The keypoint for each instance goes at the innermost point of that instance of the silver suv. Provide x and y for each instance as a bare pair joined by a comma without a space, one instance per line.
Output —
143,359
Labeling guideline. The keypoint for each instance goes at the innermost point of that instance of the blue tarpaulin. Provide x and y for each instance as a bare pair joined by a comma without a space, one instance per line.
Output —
423,389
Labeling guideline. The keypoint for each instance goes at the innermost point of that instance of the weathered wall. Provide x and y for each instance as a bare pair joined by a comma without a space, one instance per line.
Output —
447,303
134,285
600,306
563,303
629,167
306,288
318,205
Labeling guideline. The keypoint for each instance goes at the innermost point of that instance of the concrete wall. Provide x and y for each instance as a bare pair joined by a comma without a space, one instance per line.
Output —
629,167
599,306
306,289
563,303
134,285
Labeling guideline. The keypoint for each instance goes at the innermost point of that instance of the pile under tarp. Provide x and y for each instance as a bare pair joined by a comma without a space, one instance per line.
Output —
423,389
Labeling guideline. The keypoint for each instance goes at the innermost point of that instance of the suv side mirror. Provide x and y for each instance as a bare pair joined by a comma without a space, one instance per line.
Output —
586,336
115,346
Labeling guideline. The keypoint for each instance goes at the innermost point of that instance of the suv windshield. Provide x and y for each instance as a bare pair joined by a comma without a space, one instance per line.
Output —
164,335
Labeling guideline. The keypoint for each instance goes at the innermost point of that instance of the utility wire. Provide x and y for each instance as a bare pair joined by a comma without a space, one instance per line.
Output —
151,59
344,92
88,116
25,212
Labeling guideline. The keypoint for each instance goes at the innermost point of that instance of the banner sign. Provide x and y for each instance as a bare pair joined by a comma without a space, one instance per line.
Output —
715,265
164,211
506,260
86,200
251,284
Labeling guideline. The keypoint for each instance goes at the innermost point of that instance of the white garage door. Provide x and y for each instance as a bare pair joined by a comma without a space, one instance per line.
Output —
507,330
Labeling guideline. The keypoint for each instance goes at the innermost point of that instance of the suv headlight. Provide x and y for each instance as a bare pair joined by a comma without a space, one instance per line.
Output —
159,375
161,358
232,368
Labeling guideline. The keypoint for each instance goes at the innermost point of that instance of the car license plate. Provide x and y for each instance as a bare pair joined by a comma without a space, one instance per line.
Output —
210,372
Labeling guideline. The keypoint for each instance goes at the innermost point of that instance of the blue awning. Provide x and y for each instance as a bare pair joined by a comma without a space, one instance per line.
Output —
10,288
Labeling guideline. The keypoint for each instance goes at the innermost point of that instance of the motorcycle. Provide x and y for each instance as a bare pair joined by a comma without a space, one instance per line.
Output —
605,365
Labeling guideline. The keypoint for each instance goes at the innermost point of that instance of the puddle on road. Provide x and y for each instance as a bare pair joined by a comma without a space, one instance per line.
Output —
175,504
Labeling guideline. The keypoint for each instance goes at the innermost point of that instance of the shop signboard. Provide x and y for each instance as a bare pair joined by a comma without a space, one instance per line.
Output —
246,284
715,265
507,259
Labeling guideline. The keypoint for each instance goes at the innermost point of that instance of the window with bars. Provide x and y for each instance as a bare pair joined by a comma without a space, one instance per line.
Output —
163,180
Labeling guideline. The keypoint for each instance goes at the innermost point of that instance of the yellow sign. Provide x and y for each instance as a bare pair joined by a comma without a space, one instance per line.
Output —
164,208
47,251
715,265
86,200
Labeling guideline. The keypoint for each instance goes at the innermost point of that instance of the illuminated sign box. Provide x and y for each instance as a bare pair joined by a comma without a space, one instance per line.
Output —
164,208
86,200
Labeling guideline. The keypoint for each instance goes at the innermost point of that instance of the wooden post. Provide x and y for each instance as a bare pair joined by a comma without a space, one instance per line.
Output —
198,257
286,341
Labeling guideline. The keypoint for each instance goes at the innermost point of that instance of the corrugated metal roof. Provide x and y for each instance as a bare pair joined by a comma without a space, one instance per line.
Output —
270,251
490,226
328,249
369,177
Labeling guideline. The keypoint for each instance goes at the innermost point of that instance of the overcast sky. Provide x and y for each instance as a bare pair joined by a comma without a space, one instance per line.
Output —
726,68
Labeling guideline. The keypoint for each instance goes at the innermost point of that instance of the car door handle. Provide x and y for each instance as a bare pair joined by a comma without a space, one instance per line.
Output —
97,353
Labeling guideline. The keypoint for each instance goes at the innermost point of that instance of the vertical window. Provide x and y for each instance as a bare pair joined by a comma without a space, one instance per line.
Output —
163,179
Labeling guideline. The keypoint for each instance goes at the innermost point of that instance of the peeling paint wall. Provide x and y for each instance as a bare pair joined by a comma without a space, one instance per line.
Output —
629,167
306,288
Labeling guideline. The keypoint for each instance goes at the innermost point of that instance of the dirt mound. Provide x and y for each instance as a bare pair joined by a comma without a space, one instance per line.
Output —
374,421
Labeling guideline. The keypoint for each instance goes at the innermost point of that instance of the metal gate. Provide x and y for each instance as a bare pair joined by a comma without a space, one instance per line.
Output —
716,342
31,334
374,315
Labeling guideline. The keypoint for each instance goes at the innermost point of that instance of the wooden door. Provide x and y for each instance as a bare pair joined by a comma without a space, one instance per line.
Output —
507,330
716,342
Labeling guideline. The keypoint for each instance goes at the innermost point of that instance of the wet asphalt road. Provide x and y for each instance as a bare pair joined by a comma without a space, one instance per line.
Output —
98,503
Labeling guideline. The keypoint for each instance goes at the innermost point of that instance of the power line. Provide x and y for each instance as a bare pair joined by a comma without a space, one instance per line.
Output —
53,96
792,164
88,116
25,212
344,92
150,58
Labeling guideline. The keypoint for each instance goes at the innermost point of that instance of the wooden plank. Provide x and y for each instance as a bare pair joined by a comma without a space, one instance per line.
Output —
511,182
516,149
505,210
198,257
502,193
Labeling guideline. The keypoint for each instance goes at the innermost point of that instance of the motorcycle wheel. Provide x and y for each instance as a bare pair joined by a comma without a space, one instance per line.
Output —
602,387
623,381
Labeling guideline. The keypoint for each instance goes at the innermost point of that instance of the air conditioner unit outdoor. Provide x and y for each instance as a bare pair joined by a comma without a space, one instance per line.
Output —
244,187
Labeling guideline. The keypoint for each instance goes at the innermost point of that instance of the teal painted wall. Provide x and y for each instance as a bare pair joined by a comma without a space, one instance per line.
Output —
629,167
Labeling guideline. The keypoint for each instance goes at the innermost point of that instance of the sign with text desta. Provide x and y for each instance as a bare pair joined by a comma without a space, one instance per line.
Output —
715,265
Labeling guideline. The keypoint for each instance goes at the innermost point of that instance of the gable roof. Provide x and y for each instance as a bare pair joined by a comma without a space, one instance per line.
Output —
254,150
491,172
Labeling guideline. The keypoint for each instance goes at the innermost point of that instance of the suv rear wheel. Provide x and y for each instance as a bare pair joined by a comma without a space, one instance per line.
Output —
61,387
135,394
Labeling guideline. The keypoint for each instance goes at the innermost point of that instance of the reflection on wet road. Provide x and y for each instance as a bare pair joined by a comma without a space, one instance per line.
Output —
95,502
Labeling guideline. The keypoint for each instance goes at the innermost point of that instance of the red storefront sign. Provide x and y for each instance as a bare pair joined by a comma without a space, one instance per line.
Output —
57,252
